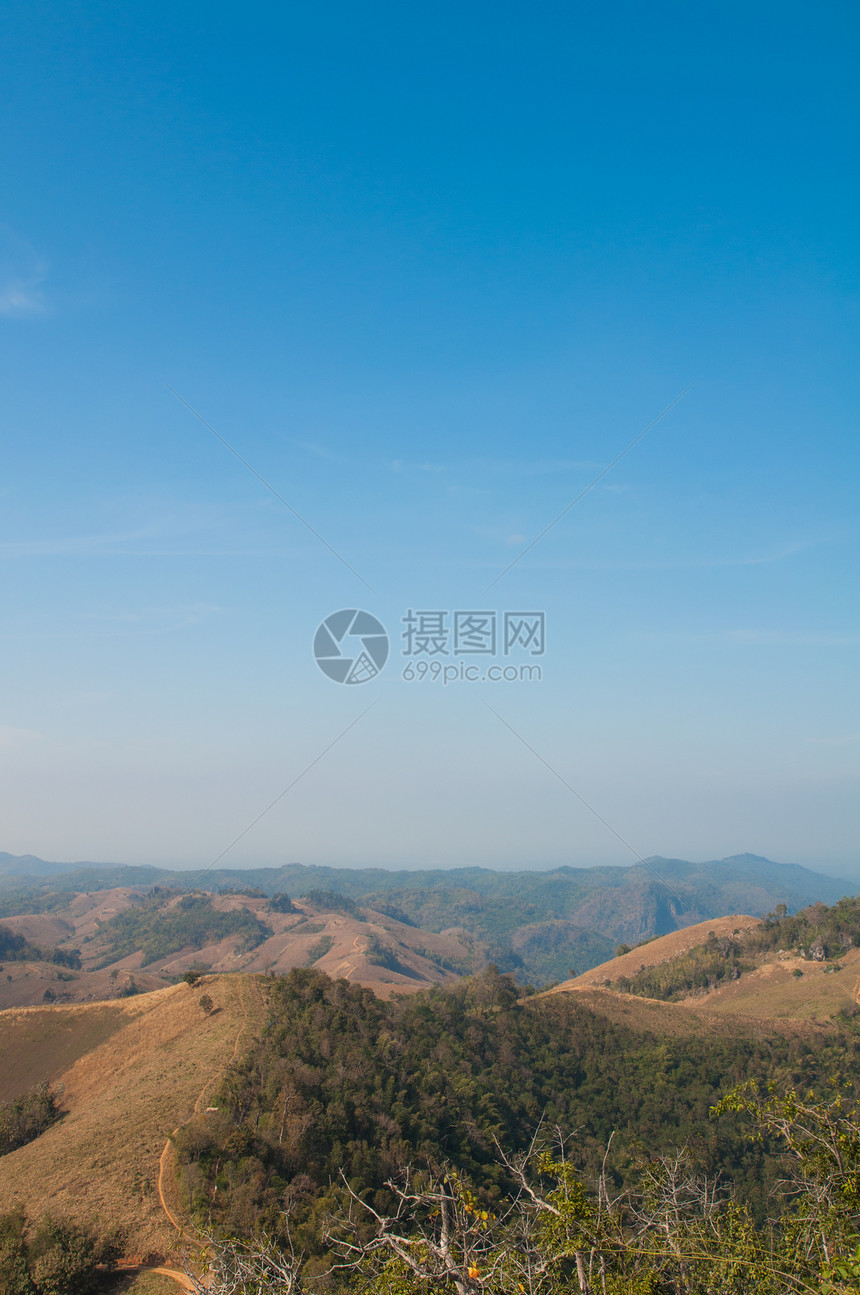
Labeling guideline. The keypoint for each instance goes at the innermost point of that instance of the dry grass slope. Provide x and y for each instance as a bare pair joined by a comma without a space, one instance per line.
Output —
784,992
125,1095
40,1043
339,943
774,992
656,951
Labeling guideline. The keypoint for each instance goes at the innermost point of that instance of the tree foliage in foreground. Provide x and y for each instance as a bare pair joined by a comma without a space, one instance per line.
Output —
673,1230
56,1257
343,1092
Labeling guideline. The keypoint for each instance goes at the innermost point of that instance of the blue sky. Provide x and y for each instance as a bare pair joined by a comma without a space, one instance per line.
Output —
429,271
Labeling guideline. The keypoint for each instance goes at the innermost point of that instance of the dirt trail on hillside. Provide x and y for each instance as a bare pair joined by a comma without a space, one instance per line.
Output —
130,1083
166,1160
181,1279
353,966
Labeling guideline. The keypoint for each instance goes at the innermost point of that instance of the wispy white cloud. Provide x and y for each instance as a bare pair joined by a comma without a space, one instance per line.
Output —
165,529
792,638
22,299
111,623
22,273
681,563
137,544
155,620
775,555
75,545
496,467
320,451
760,637
13,739
401,465
538,467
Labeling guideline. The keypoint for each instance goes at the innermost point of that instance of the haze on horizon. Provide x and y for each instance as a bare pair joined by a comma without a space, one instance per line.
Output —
429,275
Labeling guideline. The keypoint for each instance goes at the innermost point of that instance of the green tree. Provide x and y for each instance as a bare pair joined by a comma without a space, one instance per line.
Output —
65,1258
26,1117
56,1258
820,1146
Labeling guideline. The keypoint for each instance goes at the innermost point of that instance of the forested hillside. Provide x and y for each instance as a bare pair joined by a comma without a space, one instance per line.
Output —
342,1092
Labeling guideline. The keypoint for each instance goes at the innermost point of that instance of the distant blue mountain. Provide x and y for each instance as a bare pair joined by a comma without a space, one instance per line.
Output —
541,925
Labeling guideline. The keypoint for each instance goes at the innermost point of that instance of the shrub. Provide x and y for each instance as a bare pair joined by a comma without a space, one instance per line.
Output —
57,1258
319,949
332,901
65,1257
22,1120
281,903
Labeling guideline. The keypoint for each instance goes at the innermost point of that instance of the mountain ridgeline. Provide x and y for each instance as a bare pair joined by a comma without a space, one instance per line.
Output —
540,926
709,1141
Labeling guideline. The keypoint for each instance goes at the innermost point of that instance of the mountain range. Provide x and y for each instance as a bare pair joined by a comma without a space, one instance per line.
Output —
542,926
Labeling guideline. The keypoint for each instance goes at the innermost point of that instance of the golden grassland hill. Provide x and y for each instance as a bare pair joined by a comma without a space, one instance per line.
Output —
778,988
787,987
664,948
40,929
38,1044
121,936
130,1073
27,984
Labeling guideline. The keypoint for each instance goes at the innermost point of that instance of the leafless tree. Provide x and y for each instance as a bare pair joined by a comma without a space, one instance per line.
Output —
258,1267
437,1232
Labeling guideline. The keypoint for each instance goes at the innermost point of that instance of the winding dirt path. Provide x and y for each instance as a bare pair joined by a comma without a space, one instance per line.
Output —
353,966
166,1158
181,1279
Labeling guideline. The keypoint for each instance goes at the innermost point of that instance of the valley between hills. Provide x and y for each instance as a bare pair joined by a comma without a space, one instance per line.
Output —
77,933
149,1042
132,1072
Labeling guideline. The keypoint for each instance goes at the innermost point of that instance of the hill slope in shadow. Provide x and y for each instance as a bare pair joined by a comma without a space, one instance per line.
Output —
130,1074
